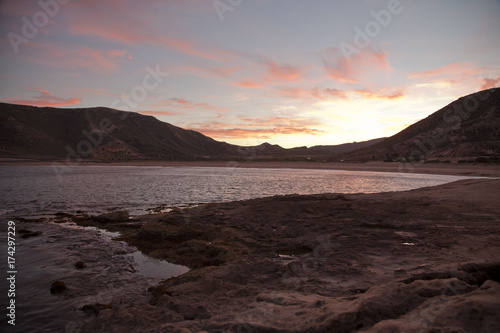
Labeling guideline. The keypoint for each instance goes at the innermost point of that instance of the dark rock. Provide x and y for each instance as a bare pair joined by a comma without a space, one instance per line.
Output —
118,216
80,265
95,308
483,271
294,250
190,313
25,233
58,287
32,220
62,214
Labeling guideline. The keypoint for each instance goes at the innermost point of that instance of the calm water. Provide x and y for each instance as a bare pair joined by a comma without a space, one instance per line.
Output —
37,190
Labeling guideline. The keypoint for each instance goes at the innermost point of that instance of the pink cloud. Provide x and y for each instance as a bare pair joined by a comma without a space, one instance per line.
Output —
458,73
158,113
490,83
100,61
241,133
278,122
328,93
381,94
134,37
456,69
267,71
47,99
266,128
250,84
100,19
313,93
295,93
181,103
335,94
355,68
276,72
217,72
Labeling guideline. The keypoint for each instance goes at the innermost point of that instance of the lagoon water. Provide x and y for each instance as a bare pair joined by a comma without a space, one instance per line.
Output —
38,190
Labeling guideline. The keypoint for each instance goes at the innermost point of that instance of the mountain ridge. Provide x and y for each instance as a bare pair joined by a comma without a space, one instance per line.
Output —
104,134
467,128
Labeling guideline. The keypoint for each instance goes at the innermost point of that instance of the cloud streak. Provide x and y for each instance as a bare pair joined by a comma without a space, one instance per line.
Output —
158,113
266,72
456,74
262,128
455,69
221,72
47,99
382,94
332,94
184,104
355,68
101,20
490,83
98,61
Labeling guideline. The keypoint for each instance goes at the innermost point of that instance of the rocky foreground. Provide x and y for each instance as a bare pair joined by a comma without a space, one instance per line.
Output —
426,260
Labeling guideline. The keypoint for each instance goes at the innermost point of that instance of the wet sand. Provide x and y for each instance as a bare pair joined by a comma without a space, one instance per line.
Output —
426,260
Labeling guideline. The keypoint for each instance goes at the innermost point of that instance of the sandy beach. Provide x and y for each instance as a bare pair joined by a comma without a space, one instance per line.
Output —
426,260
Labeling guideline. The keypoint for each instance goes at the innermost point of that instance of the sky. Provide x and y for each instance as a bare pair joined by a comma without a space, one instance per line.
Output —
293,73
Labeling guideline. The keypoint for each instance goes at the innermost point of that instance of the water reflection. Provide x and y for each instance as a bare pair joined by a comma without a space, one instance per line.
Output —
156,268
36,190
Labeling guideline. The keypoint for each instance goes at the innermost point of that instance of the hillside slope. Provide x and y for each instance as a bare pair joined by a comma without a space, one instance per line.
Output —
100,134
467,128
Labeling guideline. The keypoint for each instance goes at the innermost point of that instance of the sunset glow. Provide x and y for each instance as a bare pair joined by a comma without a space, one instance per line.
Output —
292,73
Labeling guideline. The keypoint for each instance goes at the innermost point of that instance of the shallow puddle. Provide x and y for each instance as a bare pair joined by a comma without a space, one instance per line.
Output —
156,268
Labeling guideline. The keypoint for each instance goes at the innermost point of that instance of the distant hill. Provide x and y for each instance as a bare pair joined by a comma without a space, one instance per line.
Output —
466,129
103,134
346,147
98,134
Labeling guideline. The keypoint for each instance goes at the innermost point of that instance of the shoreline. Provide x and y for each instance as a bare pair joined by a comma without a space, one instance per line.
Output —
474,170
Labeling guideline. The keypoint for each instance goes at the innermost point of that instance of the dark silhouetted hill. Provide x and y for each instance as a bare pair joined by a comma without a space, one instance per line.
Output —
99,134
468,129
